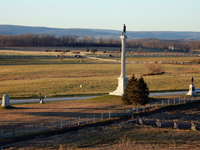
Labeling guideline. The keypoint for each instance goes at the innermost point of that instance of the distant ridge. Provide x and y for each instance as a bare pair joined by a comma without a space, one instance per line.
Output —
15,30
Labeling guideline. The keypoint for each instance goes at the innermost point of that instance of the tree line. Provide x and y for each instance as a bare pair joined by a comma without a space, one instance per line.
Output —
51,40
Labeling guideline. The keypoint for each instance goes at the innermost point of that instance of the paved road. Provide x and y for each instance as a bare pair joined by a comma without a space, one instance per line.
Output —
168,93
49,99
80,98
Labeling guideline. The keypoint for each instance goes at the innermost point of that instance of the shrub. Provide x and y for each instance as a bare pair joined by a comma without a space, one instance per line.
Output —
136,92
94,50
154,68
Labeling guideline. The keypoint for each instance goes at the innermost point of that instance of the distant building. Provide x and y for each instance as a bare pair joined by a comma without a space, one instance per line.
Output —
172,48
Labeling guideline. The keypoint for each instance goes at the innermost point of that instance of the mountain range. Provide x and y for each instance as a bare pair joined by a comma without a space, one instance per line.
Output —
15,30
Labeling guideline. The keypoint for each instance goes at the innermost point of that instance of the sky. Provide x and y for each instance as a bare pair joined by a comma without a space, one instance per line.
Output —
138,15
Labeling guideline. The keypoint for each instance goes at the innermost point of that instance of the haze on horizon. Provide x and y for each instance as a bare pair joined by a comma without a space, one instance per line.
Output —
143,15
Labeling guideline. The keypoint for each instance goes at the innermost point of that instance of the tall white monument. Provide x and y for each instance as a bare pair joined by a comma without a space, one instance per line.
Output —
122,80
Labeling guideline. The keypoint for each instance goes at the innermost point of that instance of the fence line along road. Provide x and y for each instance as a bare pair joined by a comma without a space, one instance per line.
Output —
34,128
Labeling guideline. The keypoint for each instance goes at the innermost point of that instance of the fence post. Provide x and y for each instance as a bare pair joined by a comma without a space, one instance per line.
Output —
94,117
87,119
162,103
23,130
78,120
13,133
61,124
156,104
43,127
131,110
109,114
168,101
184,99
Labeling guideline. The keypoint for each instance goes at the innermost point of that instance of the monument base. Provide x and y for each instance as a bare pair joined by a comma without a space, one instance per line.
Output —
122,81
192,90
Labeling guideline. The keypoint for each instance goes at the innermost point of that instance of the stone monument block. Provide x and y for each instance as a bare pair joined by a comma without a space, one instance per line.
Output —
42,100
5,100
192,90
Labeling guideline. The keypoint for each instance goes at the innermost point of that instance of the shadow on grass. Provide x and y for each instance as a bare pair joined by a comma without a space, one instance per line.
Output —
8,107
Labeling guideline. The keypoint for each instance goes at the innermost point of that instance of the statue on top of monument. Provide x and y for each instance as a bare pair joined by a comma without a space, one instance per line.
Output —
192,80
124,30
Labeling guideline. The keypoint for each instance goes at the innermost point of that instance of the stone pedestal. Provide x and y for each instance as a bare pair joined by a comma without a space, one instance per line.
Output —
5,100
122,80
41,100
192,90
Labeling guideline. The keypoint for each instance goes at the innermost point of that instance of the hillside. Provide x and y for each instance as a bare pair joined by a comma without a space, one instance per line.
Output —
14,30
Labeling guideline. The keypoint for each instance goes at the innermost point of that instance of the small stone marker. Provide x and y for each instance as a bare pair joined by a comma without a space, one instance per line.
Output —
42,100
140,121
193,127
5,100
158,123
175,125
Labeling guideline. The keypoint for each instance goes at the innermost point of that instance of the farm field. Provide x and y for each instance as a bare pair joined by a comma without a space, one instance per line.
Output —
25,77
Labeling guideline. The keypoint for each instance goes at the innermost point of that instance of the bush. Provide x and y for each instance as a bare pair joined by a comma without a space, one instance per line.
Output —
136,92
154,68
94,50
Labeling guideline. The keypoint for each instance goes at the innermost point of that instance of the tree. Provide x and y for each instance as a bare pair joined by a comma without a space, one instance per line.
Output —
136,92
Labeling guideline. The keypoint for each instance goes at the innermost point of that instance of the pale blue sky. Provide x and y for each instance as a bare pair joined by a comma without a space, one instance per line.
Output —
138,15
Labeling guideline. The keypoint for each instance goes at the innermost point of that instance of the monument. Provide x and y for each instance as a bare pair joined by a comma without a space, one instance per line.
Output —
122,80
42,100
5,100
192,89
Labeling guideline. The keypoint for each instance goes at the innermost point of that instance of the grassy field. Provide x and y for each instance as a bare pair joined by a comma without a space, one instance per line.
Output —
153,59
24,78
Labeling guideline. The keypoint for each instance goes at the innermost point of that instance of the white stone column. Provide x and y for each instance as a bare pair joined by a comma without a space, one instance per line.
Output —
122,80
123,56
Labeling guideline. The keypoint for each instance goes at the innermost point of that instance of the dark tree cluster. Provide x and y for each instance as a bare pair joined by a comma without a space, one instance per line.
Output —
136,92
51,40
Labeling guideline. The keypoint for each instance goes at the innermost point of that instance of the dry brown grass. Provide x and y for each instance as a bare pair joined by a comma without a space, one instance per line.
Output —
29,114
115,137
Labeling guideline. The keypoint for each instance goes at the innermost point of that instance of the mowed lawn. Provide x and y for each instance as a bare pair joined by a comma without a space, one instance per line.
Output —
24,78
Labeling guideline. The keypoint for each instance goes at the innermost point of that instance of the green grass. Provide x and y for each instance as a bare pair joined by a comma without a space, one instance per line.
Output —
24,78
